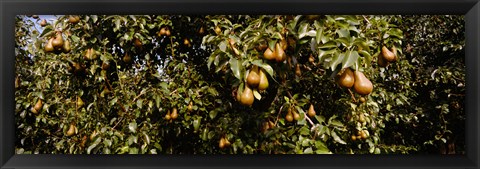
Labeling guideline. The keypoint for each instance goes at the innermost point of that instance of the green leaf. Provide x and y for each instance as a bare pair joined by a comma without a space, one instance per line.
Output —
213,114
350,59
235,67
257,95
265,66
223,46
92,146
132,127
337,59
337,138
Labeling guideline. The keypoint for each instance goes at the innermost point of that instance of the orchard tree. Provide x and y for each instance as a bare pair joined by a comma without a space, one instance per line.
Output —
231,84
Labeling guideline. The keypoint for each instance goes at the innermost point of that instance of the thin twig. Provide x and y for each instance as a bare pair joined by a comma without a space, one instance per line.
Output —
353,97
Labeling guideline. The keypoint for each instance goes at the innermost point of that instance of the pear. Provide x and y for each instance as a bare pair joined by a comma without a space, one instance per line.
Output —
58,41
127,58
268,54
279,53
239,95
247,96
167,32
49,46
17,82
253,79
296,116
361,118
283,44
289,116
263,84
93,54
201,31
38,107
381,61
66,46
137,43
387,54
311,111
162,31
43,23
298,71
80,102
105,65
168,116
362,100
190,106
174,114
73,19
354,137
71,130
221,143
311,59
271,124
362,85
346,79
218,30
186,42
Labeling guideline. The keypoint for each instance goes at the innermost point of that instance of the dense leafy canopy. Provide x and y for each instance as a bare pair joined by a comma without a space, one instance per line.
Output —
224,84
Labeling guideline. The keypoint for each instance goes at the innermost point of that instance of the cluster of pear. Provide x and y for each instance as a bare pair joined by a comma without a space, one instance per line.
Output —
57,44
171,115
164,31
74,19
357,79
278,54
223,143
387,56
361,135
292,115
267,125
256,78
38,107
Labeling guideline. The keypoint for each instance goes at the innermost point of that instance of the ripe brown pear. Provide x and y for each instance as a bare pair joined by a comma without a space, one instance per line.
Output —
362,85
38,107
105,65
201,31
73,19
43,23
167,32
296,116
66,46
246,98
190,106
127,58
346,79
162,31
186,42
268,54
253,79
279,53
49,46
289,116
263,84
58,41
387,54
168,116
221,143
311,111
381,61
362,100
71,130
174,114
137,43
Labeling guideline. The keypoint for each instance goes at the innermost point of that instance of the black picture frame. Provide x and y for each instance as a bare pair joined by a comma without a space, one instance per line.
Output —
10,8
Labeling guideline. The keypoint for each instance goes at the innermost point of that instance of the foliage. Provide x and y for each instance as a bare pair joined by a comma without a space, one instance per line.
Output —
124,96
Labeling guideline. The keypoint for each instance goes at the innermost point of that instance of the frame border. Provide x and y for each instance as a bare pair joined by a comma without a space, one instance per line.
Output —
10,8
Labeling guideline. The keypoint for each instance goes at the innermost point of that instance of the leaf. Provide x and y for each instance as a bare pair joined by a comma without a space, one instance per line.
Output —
223,46
48,29
308,151
350,59
337,138
265,66
257,95
213,114
336,123
235,67
132,127
89,149
337,59
302,30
